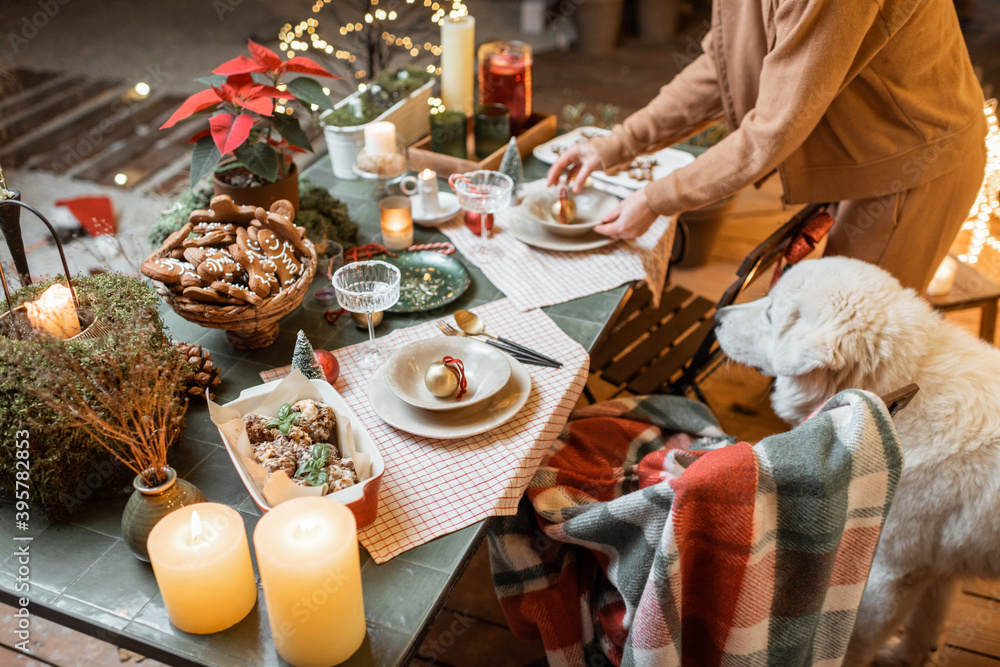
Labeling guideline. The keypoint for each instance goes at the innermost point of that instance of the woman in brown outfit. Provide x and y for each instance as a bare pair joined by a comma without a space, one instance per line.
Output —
869,103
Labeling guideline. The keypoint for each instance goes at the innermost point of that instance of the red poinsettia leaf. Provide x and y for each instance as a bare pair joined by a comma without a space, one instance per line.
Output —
203,133
241,84
229,132
270,91
264,56
239,65
262,105
305,65
193,105
294,149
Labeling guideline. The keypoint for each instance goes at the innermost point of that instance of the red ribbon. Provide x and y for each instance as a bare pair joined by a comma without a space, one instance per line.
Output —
804,243
459,367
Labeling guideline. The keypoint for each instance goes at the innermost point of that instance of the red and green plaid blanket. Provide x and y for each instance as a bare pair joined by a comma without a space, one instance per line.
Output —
648,538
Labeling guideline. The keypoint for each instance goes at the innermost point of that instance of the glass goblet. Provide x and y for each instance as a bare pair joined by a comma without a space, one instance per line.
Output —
367,287
486,192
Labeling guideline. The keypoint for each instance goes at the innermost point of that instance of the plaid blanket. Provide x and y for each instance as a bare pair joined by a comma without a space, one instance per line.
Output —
647,537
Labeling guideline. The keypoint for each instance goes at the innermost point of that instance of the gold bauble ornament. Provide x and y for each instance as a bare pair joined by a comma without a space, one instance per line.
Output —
441,380
569,205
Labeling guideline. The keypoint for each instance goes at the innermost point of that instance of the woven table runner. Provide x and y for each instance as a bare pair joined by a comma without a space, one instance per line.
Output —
435,487
533,277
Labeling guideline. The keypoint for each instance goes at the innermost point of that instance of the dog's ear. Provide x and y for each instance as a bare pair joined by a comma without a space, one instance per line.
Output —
801,354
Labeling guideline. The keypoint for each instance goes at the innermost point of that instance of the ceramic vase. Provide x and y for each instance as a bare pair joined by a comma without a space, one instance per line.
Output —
147,505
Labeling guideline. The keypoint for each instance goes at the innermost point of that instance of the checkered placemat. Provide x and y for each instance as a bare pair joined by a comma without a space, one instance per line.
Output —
435,487
533,277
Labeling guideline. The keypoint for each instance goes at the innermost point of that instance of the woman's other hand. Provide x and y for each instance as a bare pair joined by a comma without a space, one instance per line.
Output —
630,219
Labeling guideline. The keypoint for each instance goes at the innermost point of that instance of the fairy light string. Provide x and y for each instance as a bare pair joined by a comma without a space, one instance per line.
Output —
987,204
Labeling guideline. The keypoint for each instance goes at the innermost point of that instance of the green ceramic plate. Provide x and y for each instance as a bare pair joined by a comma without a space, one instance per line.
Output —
429,280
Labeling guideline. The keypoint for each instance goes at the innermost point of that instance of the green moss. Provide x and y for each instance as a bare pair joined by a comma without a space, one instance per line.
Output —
386,90
324,217
67,468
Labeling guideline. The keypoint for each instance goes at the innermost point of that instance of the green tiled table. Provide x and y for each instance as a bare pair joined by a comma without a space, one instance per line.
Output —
85,577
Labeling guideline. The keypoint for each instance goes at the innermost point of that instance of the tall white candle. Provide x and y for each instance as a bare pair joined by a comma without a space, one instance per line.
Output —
458,62
380,138
307,553
427,186
201,562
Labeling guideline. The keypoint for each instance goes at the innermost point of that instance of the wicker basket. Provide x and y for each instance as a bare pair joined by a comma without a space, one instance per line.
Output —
247,327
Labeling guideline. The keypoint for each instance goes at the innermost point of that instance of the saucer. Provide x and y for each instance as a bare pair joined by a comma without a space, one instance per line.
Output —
453,424
529,232
486,368
448,206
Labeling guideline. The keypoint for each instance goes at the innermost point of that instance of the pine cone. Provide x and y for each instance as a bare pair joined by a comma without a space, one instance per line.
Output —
205,373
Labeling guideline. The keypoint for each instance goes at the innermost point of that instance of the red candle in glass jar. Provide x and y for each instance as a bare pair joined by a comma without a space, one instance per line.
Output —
505,78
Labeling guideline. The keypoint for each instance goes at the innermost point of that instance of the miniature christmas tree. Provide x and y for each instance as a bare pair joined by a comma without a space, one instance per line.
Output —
304,359
511,166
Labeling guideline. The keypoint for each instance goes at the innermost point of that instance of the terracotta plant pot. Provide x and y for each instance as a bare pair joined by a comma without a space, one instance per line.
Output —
599,23
264,196
148,505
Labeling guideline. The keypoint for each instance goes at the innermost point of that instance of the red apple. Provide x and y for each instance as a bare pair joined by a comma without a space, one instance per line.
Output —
472,221
329,364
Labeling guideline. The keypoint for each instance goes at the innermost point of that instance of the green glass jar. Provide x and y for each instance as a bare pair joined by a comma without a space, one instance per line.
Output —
148,505
448,134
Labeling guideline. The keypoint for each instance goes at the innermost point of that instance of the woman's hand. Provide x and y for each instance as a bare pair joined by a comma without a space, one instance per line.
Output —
578,162
630,219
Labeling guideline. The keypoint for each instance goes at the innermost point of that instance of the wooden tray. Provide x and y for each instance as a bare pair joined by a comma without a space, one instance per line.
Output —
540,128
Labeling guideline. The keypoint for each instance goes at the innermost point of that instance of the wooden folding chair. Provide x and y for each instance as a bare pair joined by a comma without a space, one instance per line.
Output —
672,348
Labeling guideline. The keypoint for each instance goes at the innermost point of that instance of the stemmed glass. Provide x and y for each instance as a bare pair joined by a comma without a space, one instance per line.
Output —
486,192
367,287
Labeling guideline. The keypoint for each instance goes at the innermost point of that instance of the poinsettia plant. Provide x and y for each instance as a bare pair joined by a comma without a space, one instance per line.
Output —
243,120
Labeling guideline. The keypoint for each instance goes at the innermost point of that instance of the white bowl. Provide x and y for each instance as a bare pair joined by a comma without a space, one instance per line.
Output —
486,369
591,206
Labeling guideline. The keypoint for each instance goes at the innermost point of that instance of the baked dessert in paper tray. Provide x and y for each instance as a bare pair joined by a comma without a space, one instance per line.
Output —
296,437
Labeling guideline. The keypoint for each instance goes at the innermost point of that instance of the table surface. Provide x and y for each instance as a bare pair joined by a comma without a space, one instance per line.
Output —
84,576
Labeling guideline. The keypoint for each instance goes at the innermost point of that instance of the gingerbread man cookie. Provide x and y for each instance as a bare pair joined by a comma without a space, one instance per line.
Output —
167,270
222,209
218,264
208,295
279,251
216,238
283,227
260,269
174,240
238,292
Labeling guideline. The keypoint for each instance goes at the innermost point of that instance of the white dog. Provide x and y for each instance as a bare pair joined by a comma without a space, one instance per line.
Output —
836,323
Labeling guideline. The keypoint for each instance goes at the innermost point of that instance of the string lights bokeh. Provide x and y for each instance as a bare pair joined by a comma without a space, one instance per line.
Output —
987,204
365,41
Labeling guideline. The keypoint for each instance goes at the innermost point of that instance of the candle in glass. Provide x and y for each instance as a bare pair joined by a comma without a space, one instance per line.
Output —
505,78
448,134
201,562
380,138
396,218
307,553
54,312
491,127
458,54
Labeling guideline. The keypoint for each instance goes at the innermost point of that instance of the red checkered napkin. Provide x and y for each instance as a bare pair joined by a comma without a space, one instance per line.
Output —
533,278
435,487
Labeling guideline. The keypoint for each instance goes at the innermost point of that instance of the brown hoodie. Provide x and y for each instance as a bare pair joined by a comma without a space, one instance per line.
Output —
848,99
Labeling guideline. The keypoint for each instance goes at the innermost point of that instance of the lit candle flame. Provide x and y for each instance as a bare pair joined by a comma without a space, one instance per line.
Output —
307,525
195,525
428,174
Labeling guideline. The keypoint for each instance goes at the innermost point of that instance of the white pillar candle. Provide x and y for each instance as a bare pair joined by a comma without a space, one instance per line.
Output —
380,138
427,187
396,217
307,553
201,562
458,62
54,313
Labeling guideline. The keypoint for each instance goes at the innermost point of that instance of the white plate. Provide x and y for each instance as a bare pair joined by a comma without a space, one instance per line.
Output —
448,206
530,232
591,206
667,160
486,369
453,424
546,152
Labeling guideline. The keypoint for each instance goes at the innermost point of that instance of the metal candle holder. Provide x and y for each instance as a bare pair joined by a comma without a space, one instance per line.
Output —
10,225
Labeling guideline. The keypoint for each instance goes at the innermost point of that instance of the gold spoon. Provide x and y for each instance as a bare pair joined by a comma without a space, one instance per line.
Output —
473,325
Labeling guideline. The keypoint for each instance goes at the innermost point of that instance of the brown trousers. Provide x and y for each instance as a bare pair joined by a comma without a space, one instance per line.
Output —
908,233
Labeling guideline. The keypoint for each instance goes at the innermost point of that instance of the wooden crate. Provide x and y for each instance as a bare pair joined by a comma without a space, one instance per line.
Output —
540,128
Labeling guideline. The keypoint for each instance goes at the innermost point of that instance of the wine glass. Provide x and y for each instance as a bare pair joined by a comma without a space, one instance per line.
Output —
487,192
367,287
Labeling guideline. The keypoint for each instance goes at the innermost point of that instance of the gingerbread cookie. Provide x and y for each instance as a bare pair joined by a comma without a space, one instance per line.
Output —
195,255
283,208
260,270
167,270
174,240
283,227
222,209
177,253
207,295
238,292
205,227
287,266
211,239
218,264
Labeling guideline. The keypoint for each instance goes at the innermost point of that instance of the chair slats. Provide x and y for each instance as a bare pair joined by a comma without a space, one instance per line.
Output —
627,331
622,370
656,378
